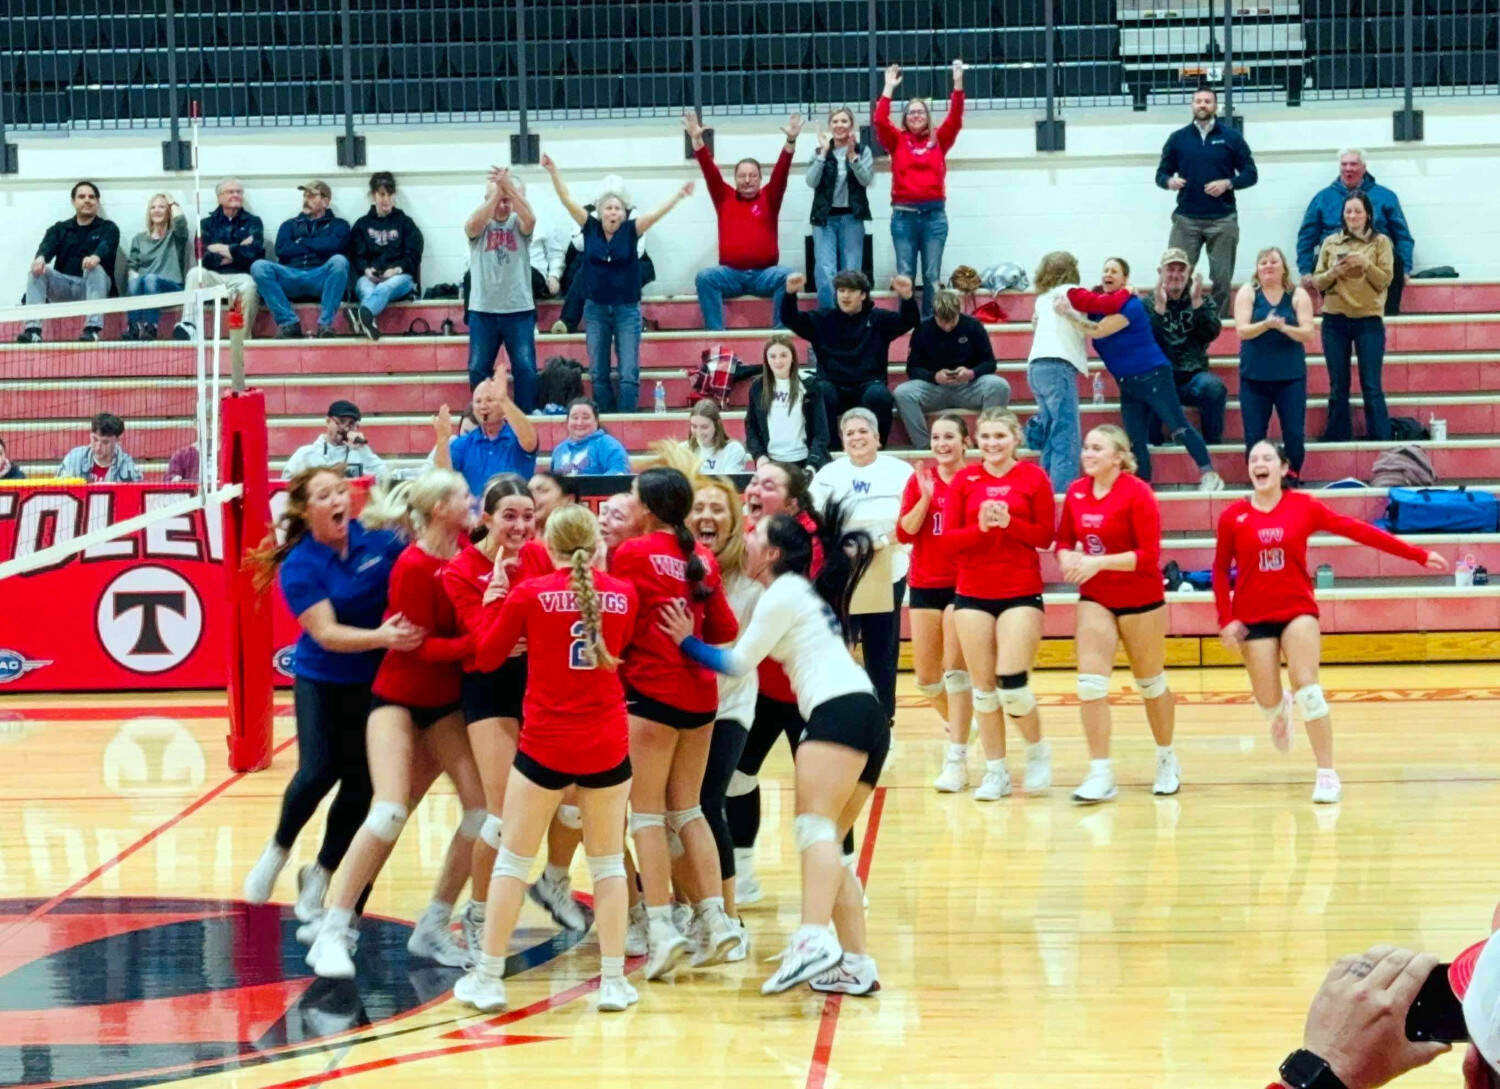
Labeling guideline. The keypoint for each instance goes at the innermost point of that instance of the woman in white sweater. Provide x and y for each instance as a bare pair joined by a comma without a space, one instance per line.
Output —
710,443
1057,358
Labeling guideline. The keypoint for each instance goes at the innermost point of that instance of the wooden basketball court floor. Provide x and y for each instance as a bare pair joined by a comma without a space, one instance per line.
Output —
1029,942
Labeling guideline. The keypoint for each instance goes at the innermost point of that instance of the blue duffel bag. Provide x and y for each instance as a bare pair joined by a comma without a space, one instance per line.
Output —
1442,510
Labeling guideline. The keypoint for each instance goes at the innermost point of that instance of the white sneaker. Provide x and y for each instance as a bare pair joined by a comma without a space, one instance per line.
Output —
616,994
716,938
666,949
994,786
438,944
332,954
682,917
1327,790
813,951
637,932
480,991
1168,774
856,975
556,897
473,928
1211,481
747,888
312,887
262,878
1098,786
953,778
741,948
1038,768
1281,725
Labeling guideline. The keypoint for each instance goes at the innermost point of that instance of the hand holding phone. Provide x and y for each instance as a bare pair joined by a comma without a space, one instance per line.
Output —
1436,1013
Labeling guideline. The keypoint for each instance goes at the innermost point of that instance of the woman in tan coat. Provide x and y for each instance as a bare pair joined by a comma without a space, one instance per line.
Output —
1354,270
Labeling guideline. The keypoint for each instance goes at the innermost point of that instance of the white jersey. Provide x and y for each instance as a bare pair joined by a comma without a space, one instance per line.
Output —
737,694
795,626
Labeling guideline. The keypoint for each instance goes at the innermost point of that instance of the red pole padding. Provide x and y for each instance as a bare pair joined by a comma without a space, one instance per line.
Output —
247,520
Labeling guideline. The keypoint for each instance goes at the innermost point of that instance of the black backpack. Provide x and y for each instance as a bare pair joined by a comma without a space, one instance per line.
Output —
560,382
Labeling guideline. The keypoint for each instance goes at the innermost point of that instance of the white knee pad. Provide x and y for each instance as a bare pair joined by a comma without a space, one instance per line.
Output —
510,864
473,823
1310,698
1017,701
639,821
811,829
678,819
986,699
570,816
1152,687
385,820
1092,686
956,681
931,691
741,784
604,866
490,831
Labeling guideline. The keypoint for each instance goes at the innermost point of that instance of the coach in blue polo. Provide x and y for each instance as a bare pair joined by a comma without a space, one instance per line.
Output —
504,441
1204,163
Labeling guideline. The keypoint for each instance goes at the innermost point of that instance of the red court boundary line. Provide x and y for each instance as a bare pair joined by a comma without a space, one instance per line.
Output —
828,1024
104,867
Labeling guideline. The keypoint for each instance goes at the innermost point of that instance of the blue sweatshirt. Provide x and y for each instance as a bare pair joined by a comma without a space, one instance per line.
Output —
304,242
598,454
1201,159
1325,216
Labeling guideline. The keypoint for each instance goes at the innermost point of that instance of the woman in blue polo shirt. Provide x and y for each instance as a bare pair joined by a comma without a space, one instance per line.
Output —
333,574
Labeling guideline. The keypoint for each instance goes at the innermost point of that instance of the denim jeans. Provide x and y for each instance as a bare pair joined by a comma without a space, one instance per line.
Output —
149,284
54,286
376,296
622,324
1207,393
1366,336
1054,384
1289,399
1155,392
717,282
918,232
837,245
518,333
279,283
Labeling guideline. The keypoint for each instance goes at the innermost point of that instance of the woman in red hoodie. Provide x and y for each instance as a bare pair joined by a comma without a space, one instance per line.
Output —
919,172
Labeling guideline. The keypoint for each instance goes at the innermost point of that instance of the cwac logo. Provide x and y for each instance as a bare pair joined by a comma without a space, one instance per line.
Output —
14,664
284,661
150,619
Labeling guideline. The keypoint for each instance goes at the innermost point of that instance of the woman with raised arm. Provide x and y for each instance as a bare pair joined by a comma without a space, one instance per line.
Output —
838,175
1274,319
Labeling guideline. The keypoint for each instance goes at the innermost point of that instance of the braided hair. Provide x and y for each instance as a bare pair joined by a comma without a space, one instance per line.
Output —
573,533
668,495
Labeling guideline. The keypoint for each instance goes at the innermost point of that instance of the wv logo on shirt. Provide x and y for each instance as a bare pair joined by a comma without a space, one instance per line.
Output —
1093,521
861,487
1270,536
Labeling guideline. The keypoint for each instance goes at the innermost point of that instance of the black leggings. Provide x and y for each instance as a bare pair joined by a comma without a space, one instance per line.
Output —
723,757
772,719
330,752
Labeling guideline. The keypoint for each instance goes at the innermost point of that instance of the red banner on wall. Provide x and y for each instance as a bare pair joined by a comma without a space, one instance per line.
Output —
143,611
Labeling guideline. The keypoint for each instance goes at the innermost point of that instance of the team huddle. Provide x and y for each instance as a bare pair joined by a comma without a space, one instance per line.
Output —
576,677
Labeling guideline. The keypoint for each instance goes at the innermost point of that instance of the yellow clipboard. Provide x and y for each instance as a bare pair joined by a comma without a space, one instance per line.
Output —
874,594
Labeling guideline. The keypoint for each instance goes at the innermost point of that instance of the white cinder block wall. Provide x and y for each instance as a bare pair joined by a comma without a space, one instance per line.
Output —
1006,201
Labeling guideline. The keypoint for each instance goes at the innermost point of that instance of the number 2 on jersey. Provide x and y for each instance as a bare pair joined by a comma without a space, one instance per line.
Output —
578,648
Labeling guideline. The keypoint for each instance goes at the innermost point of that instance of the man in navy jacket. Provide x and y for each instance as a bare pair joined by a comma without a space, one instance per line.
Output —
1204,163
1325,216
231,240
387,250
310,263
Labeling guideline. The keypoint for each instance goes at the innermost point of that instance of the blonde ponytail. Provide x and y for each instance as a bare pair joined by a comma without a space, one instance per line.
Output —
573,532
408,505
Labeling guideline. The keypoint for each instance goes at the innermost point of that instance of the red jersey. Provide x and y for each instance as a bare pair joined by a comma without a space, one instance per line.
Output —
1127,519
748,235
467,576
573,716
773,681
431,675
1269,548
933,565
655,667
1000,563
533,561
919,164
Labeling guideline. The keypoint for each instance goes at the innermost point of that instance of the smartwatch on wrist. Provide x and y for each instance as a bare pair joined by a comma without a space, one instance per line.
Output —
1304,1070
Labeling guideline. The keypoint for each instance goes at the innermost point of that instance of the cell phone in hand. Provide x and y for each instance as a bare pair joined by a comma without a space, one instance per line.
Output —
1436,1013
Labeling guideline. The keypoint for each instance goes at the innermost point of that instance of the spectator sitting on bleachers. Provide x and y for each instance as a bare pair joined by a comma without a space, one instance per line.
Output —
749,248
386,251
1186,322
310,263
501,307
588,450
1325,216
232,240
785,420
502,439
101,460
182,467
838,176
852,342
949,364
342,446
157,258
575,268
82,253
710,443
9,470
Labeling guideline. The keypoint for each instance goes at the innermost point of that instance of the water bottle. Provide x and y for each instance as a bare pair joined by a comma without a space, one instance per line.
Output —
659,400
1098,387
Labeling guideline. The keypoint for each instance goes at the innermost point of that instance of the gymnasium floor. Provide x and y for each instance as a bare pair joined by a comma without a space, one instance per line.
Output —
1026,943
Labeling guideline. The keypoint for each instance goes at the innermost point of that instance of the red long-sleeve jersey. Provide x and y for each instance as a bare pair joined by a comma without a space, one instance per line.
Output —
431,675
933,564
573,713
919,164
1127,519
773,682
1000,563
748,235
655,667
1269,549
467,576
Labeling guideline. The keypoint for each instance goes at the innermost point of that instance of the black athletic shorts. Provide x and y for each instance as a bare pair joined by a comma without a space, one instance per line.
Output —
552,779
421,717
675,717
939,598
1270,629
856,721
996,606
496,694
1129,610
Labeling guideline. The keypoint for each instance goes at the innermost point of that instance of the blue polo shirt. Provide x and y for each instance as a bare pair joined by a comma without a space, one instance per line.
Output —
354,584
477,458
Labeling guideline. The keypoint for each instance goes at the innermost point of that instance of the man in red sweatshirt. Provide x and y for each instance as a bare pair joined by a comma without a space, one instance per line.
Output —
749,250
